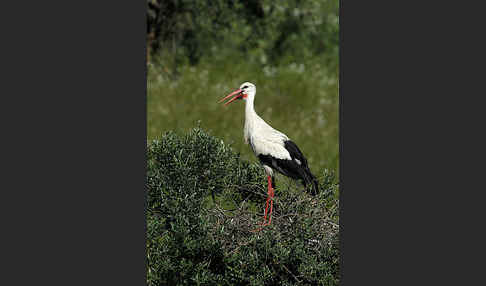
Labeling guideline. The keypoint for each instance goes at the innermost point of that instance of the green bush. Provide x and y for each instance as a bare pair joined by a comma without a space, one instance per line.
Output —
203,202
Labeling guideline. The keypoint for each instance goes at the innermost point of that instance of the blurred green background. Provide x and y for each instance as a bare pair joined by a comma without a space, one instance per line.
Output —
199,51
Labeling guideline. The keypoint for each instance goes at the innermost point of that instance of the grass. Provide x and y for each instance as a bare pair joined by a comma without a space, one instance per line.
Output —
299,99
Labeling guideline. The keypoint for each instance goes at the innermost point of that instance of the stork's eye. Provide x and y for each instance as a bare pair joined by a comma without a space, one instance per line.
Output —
245,87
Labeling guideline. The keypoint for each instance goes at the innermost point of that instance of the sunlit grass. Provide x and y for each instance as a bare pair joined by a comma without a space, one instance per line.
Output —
301,100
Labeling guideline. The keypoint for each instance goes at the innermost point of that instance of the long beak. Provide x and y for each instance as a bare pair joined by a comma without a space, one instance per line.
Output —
237,93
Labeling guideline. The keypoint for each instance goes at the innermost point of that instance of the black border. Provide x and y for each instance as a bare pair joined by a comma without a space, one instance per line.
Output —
74,142
408,131
341,175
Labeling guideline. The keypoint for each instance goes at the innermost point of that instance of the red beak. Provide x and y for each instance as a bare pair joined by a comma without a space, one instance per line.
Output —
237,93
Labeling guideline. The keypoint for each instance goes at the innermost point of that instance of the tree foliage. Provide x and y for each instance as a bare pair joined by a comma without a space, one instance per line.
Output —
204,202
261,30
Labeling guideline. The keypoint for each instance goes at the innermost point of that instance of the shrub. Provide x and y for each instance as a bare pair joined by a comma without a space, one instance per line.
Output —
203,202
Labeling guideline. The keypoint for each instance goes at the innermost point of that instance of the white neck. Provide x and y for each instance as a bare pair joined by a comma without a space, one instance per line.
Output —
249,109
250,117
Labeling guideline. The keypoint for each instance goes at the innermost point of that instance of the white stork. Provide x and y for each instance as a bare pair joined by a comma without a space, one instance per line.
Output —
274,149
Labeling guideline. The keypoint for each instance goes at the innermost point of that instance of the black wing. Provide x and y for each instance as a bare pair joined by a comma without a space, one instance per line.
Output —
296,168
295,153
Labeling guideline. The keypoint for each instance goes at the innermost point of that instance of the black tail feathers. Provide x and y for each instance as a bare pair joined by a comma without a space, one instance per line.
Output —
310,179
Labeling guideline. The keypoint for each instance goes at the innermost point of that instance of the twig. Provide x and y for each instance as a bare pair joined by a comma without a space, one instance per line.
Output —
298,281
333,224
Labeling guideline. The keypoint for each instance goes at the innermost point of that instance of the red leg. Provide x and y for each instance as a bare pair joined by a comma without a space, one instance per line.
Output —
269,199
266,210
271,194
271,207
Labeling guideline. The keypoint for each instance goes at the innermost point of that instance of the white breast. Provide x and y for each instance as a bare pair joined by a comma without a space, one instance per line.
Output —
264,139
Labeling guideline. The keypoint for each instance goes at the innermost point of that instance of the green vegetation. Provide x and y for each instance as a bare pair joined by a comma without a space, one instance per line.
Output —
205,195
203,50
299,100
193,239
263,31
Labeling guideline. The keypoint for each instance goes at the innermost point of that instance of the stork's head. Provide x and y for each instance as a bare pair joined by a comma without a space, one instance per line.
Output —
246,90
